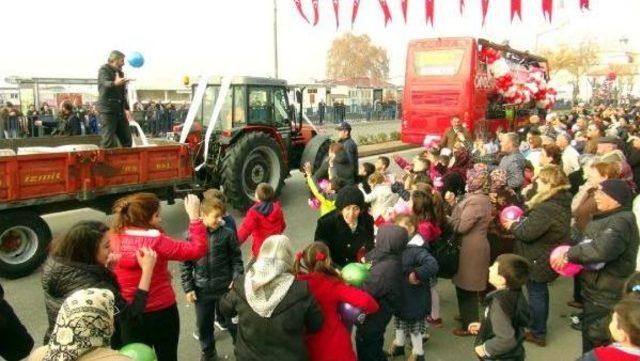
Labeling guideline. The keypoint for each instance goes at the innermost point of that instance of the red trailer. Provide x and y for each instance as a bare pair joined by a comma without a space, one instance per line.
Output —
36,184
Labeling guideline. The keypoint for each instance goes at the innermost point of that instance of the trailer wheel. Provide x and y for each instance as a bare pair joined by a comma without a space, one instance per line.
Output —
255,158
24,237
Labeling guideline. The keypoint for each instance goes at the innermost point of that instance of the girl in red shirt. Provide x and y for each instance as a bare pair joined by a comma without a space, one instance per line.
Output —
333,341
136,225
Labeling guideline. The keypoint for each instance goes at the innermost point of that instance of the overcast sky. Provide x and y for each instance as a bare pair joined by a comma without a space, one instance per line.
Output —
72,38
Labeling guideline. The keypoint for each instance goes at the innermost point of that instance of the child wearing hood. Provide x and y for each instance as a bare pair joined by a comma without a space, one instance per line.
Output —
418,268
275,310
262,220
385,285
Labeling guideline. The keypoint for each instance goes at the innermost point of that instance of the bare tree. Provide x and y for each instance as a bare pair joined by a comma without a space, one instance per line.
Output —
352,56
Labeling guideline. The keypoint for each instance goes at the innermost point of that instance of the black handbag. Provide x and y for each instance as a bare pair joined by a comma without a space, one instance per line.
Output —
446,251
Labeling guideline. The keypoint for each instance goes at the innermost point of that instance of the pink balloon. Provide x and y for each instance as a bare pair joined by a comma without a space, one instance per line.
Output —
402,207
314,203
569,269
511,213
325,185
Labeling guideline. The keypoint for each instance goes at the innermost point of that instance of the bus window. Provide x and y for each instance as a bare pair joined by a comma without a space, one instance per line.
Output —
440,62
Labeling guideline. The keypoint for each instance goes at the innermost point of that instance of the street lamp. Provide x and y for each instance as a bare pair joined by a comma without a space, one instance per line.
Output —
275,38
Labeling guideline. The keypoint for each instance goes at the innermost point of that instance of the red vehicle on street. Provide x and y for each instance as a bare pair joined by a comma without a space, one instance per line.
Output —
447,77
257,137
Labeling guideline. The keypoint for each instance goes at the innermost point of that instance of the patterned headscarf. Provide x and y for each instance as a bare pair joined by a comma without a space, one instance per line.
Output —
498,179
477,178
84,323
269,278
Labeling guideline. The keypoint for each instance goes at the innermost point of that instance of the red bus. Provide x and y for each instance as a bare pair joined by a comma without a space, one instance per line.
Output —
447,77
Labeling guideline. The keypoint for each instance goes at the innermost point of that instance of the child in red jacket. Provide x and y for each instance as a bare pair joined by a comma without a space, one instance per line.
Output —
333,341
625,331
136,225
262,220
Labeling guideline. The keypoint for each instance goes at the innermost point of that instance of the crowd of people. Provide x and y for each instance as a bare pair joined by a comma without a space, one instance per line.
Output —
439,217
73,118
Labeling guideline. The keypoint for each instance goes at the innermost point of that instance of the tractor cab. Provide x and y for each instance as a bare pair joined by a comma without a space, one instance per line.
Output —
258,136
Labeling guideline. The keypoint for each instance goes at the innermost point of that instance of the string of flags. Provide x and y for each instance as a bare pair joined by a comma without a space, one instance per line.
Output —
429,5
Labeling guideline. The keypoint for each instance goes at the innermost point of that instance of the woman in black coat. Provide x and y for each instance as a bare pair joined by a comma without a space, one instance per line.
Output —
545,226
79,260
347,230
274,309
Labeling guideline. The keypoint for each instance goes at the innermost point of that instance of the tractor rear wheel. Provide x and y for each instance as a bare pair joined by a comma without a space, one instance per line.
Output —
255,158
316,152
24,238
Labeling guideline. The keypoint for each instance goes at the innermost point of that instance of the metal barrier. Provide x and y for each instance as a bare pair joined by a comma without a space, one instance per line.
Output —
352,113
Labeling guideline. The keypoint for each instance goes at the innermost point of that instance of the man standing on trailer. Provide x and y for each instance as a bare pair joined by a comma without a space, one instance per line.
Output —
113,106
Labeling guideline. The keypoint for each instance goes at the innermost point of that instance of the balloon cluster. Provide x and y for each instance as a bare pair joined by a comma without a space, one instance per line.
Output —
518,93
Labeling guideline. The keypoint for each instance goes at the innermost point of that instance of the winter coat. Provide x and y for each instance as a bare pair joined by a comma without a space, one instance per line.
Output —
61,278
351,149
15,340
416,299
450,137
279,337
615,352
514,165
504,317
543,228
111,99
429,231
381,199
344,244
128,272
340,167
614,240
470,219
262,220
333,341
327,204
385,276
213,273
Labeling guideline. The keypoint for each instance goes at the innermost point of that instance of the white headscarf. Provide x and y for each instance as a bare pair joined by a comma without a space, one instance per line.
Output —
270,277
84,323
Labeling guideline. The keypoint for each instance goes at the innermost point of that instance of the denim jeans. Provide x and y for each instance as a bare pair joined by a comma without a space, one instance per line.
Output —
538,307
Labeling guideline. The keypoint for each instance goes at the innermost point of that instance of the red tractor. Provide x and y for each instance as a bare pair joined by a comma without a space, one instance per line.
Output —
259,136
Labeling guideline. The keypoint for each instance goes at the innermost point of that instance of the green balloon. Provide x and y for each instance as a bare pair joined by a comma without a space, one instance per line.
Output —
355,273
139,352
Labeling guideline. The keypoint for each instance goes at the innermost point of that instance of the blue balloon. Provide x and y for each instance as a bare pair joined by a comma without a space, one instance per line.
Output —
135,59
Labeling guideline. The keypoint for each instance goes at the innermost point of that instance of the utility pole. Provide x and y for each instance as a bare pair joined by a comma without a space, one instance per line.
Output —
275,38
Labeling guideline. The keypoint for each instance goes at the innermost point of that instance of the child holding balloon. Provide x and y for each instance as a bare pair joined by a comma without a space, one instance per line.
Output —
333,340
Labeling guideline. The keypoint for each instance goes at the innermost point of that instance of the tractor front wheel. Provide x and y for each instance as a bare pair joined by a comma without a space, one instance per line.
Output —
255,158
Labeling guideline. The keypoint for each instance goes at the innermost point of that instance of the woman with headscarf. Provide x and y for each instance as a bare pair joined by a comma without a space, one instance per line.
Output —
274,309
470,220
83,329
501,196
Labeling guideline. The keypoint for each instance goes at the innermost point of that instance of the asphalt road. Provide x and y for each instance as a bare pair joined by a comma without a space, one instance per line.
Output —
27,298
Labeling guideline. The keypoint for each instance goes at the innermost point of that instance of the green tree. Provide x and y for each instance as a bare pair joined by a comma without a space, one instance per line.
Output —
352,56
